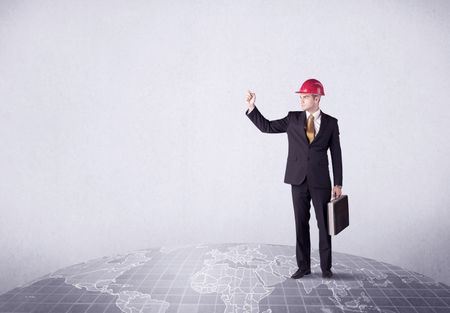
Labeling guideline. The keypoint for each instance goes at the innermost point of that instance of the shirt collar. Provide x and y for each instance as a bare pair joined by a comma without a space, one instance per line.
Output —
315,114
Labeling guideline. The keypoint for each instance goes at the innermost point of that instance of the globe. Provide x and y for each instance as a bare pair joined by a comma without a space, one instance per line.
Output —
245,277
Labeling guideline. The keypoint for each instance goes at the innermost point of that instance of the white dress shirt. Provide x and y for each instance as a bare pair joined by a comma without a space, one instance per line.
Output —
317,119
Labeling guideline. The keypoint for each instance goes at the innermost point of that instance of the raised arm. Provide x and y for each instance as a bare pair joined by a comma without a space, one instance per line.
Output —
263,124
266,126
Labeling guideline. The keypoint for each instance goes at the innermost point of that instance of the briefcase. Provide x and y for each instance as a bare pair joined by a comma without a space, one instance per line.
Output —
337,215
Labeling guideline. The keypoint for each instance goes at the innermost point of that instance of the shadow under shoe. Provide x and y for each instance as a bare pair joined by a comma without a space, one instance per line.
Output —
300,273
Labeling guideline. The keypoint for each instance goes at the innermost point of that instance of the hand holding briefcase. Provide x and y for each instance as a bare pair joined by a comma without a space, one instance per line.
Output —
338,218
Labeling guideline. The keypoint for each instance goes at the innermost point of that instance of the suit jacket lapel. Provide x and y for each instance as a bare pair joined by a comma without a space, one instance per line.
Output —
303,126
323,125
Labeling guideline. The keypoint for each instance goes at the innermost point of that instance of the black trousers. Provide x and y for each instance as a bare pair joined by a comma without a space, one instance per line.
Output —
301,197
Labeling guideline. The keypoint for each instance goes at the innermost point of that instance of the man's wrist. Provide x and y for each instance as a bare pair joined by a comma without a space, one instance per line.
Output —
339,186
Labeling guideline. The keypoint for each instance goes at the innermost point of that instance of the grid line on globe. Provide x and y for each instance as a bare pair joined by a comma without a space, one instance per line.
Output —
238,277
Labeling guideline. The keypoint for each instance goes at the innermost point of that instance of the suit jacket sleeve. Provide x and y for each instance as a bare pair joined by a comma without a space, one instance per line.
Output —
266,126
336,156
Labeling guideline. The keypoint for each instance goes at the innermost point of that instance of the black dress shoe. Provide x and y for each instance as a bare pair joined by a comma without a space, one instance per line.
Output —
327,274
300,273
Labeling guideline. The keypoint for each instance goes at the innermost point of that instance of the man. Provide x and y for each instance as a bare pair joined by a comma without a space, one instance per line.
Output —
310,133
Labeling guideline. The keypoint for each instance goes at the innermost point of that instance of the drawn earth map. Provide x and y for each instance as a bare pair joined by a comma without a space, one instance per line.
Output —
228,278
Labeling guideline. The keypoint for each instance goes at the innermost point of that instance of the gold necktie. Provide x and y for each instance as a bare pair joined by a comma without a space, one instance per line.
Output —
310,129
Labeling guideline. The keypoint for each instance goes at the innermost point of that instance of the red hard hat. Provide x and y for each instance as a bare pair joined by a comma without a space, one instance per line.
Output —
312,86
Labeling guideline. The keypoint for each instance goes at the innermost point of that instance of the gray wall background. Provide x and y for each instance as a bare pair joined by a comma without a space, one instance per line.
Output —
122,126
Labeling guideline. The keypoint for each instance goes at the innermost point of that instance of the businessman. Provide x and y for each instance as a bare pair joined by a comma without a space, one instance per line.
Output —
311,133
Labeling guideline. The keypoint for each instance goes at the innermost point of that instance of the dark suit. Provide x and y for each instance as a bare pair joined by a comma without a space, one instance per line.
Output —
307,172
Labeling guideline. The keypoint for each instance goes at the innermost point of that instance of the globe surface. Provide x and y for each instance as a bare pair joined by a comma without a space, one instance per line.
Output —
228,278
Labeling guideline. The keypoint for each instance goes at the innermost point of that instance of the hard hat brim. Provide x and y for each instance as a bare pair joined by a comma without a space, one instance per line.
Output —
318,94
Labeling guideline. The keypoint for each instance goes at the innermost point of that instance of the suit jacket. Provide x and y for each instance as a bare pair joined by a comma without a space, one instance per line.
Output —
304,159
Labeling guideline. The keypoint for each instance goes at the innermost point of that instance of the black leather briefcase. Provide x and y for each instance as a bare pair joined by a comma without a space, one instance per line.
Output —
337,215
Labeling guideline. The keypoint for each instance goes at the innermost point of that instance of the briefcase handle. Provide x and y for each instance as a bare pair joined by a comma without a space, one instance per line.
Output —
334,198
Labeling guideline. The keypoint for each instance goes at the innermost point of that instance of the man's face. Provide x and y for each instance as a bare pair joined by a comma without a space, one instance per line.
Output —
309,101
